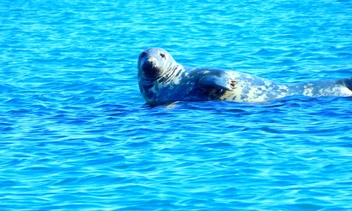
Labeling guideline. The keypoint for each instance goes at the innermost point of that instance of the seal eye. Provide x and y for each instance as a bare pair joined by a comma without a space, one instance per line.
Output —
162,55
143,54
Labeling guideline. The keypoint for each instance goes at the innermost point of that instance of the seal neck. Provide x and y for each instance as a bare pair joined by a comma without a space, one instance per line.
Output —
173,71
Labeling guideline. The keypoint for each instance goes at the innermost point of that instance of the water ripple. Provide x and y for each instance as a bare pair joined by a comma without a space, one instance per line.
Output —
77,135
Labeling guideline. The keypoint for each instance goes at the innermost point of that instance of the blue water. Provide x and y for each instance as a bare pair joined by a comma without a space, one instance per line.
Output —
76,134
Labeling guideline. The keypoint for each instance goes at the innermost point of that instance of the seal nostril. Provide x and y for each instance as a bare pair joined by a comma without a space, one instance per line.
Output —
162,55
143,54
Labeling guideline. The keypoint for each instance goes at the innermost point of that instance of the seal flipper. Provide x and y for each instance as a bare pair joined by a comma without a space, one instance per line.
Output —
217,82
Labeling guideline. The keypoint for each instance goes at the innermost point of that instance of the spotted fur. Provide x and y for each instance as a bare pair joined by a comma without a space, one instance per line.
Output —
162,80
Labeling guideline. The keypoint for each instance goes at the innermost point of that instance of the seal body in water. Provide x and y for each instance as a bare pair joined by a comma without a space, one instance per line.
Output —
162,80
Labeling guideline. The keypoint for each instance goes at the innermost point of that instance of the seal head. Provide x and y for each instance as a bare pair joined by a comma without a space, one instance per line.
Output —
156,71
153,63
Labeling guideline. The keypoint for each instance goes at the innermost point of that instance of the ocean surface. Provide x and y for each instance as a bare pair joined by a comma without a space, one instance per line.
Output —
76,133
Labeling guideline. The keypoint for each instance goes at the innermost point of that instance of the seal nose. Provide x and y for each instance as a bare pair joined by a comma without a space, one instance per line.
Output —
152,61
149,64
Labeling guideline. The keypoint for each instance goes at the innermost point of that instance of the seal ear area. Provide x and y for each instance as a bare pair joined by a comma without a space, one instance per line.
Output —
217,82
162,55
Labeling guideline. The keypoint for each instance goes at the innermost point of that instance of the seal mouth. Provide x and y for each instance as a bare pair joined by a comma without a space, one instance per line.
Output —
148,69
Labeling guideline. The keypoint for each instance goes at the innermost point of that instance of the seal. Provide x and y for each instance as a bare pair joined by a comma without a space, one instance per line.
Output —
162,80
